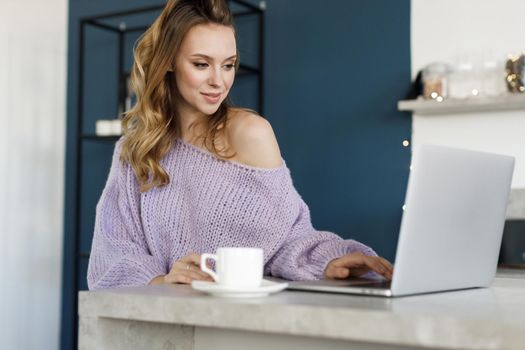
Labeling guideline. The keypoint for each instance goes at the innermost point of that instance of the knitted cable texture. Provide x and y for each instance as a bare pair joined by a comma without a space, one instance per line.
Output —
209,203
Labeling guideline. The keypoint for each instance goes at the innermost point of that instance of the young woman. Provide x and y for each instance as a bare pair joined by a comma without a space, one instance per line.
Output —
191,173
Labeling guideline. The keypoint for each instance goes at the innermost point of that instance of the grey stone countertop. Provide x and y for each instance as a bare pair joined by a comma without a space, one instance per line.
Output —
487,318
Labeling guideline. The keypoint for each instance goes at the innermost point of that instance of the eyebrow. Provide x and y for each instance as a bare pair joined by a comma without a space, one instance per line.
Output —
211,58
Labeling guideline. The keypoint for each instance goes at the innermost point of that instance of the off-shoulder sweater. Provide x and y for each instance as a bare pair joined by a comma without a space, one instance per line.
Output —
208,203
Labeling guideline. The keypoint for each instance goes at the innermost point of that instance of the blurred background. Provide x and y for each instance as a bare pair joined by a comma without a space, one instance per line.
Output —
348,86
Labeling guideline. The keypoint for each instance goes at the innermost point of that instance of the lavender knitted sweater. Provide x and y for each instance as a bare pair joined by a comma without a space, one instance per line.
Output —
209,203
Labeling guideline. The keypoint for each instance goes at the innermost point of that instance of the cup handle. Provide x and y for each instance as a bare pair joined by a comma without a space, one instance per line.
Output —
205,268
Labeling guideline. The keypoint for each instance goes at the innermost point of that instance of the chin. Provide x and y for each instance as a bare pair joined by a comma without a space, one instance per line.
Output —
209,110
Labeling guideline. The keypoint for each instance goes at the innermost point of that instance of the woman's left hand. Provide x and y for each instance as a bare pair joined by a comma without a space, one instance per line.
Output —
357,264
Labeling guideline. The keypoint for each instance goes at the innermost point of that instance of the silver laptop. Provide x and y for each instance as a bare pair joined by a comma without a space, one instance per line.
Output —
451,227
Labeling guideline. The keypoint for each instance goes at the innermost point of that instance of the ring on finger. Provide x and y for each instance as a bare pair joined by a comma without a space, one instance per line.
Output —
187,266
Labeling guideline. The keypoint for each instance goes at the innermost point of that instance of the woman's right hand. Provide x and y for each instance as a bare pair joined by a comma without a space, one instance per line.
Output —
184,271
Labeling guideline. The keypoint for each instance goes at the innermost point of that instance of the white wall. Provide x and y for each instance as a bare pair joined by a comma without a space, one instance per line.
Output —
32,129
442,30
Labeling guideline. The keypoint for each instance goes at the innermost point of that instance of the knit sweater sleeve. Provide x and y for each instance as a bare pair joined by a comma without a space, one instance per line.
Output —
306,251
119,253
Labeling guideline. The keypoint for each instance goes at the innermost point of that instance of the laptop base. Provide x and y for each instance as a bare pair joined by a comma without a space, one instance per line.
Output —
359,286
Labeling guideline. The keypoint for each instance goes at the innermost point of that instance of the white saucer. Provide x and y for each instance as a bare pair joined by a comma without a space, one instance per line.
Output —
217,290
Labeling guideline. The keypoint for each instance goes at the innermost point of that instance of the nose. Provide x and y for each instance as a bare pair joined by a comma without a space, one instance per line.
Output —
215,79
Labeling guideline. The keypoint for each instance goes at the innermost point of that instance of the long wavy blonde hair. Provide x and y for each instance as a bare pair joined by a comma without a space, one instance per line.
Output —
150,126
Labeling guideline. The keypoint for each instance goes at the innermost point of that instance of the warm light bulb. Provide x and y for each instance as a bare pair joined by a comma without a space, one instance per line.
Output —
406,143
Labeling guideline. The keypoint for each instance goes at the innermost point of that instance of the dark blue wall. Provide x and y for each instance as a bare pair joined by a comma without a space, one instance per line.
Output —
334,72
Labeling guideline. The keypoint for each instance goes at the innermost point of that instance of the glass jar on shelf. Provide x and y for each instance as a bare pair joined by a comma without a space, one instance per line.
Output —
460,81
435,81
494,77
515,73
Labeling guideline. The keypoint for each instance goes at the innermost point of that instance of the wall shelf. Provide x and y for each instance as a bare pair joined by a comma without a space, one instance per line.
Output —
476,104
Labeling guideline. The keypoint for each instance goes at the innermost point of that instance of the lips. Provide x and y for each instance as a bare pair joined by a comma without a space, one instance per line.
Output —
212,97
217,94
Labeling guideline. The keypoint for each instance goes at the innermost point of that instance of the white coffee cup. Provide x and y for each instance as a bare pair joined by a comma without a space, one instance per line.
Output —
236,267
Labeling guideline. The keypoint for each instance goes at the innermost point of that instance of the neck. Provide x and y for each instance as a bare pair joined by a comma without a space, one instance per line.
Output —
191,124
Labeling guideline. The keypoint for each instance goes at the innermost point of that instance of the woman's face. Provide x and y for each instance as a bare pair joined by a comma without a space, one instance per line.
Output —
205,68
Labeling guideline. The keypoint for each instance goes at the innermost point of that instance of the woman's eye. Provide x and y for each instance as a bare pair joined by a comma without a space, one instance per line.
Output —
200,65
229,66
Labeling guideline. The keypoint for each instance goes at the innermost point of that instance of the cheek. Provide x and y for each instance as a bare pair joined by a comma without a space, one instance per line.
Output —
191,80
228,81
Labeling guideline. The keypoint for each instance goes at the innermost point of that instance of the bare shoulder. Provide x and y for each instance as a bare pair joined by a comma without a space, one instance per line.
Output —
252,138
